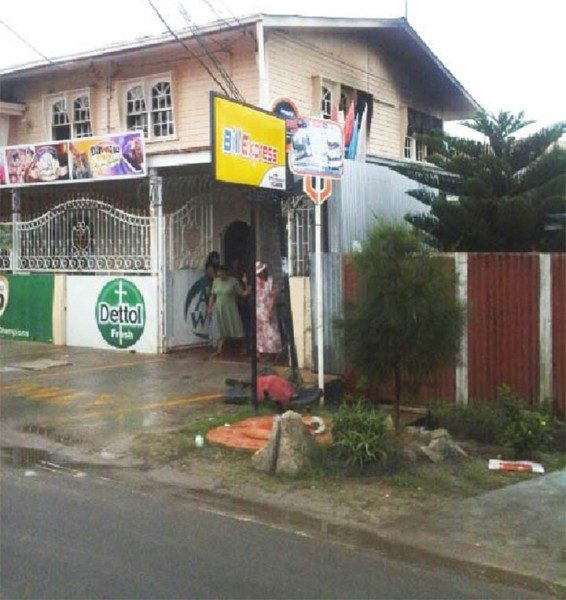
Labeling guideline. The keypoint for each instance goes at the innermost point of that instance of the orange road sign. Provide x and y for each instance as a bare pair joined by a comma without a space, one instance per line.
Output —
317,188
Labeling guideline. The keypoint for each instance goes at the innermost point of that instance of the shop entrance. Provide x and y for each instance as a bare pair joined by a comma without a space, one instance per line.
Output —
236,244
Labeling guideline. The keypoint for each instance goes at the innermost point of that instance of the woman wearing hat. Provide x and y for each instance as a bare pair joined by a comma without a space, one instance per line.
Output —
268,337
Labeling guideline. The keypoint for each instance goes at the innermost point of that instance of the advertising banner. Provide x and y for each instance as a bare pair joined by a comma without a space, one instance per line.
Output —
37,164
317,148
112,313
248,144
108,157
114,156
26,307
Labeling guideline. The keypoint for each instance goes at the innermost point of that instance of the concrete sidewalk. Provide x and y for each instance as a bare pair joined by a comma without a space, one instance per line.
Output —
520,529
516,533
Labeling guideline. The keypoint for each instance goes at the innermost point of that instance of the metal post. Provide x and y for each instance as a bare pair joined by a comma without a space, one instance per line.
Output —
288,316
252,300
16,216
319,301
158,251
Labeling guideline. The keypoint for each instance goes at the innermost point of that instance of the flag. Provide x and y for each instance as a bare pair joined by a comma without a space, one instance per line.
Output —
349,124
353,140
362,137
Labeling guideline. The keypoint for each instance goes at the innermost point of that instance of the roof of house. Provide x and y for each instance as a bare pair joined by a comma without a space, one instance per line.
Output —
399,41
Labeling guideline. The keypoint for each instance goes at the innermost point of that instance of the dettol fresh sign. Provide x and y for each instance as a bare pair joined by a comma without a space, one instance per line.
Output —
120,313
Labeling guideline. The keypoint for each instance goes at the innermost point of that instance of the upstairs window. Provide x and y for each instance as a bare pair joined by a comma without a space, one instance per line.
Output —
419,123
60,123
81,117
136,111
149,108
325,103
68,115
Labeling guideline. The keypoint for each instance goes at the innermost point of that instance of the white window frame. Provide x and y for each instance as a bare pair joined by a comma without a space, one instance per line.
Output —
153,114
326,99
414,150
78,128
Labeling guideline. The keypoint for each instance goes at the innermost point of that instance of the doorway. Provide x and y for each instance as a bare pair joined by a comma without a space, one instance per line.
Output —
237,245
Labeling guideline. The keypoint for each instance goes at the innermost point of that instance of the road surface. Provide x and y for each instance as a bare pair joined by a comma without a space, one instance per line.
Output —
73,534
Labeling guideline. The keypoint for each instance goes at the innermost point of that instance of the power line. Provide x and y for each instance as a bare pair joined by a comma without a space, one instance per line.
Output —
196,32
25,41
202,63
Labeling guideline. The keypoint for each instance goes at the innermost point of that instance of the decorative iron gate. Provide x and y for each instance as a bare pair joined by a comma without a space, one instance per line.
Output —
84,235
189,235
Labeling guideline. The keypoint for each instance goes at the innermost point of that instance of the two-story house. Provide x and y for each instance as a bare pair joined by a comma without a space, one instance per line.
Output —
155,226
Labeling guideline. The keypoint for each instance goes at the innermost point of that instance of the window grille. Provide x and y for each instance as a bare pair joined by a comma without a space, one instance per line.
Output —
300,235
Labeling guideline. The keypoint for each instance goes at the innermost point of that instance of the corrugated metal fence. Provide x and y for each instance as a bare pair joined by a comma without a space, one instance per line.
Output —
505,342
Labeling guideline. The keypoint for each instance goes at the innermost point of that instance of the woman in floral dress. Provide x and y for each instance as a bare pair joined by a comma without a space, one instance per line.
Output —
268,337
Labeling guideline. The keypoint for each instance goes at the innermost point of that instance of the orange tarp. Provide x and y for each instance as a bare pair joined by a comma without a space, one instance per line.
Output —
252,433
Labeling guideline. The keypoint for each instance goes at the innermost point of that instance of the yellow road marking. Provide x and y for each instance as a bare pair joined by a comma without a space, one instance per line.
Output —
99,368
44,392
101,399
141,407
19,387
66,398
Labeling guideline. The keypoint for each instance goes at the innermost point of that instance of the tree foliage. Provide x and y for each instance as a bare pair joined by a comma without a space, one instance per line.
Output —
405,319
494,197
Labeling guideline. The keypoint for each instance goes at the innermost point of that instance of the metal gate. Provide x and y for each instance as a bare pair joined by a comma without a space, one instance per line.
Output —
83,235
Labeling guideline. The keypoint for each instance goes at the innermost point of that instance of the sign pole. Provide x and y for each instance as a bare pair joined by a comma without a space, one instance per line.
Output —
319,302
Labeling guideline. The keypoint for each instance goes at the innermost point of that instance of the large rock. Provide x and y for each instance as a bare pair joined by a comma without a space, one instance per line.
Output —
265,459
295,445
447,449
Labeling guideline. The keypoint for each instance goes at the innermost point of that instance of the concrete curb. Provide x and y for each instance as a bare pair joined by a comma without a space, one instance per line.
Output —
359,537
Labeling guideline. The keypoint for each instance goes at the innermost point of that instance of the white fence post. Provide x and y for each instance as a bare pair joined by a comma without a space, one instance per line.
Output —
158,252
16,207
461,265
545,328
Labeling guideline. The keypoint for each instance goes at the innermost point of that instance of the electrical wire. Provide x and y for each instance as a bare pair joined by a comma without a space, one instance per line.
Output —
25,41
196,33
193,55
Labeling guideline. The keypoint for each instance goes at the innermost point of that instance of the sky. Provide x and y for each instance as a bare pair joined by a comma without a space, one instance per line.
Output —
508,54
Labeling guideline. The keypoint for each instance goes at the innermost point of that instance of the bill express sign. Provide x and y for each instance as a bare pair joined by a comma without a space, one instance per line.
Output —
120,313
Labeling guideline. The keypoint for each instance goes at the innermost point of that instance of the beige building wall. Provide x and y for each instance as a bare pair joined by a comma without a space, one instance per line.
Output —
106,78
299,61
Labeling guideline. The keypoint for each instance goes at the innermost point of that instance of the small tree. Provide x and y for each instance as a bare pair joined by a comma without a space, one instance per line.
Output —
405,319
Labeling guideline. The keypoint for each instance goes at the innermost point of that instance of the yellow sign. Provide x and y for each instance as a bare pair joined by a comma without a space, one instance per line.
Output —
248,144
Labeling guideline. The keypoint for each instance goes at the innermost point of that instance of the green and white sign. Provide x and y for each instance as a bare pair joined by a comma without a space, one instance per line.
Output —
26,307
120,313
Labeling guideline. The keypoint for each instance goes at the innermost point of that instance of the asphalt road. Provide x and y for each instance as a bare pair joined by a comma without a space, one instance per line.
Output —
67,534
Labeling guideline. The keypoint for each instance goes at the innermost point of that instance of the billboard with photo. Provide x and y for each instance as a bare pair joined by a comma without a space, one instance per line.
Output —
248,144
113,156
317,148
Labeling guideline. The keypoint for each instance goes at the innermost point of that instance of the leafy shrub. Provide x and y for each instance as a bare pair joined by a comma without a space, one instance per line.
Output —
482,423
360,434
527,432
508,422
